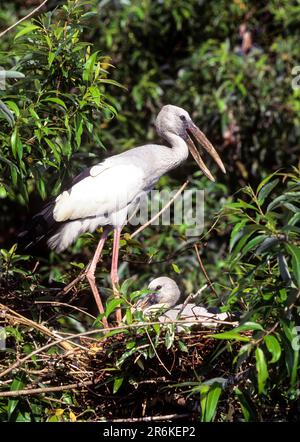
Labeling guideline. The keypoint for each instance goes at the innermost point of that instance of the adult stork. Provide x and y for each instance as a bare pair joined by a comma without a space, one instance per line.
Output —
104,194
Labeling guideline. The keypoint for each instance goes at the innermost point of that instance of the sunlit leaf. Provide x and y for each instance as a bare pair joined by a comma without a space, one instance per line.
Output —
274,347
262,369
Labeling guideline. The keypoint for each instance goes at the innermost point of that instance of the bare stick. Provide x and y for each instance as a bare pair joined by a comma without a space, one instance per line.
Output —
12,315
204,271
64,304
29,391
140,229
150,418
23,19
157,355
78,278
191,296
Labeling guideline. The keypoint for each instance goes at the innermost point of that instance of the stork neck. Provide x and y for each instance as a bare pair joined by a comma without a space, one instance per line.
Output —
179,150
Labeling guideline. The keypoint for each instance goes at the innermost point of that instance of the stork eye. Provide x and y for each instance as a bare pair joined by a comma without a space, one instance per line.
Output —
182,117
158,287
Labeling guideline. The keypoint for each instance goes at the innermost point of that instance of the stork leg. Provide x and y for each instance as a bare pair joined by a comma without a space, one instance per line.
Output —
114,270
90,274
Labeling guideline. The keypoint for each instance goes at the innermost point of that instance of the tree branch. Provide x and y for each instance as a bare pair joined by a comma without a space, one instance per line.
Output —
23,19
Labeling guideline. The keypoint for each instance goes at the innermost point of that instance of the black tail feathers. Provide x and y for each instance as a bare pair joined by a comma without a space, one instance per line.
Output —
41,225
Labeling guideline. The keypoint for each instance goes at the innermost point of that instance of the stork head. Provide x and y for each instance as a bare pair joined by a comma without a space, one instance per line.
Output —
175,120
164,291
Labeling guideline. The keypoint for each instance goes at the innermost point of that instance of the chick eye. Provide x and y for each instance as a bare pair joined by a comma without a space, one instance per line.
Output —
182,117
158,287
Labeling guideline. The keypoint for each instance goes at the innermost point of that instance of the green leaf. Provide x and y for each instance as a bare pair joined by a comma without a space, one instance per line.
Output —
291,350
89,66
54,149
183,347
262,370
128,316
56,100
16,385
51,58
212,402
294,251
246,405
265,181
274,347
111,306
246,233
118,381
284,199
266,190
253,243
79,130
249,326
14,107
230,335
108,81
40,184
291,207
170,336
26,30
294,219
16,144
176,268
234,333
236,233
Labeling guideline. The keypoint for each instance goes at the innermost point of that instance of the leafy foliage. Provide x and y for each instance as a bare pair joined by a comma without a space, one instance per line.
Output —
60,102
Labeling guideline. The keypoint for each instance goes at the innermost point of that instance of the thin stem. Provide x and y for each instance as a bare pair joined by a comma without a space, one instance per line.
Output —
23,19
140,229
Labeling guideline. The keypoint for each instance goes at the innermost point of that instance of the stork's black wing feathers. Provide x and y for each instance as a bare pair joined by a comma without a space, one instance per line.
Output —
40,226
81,176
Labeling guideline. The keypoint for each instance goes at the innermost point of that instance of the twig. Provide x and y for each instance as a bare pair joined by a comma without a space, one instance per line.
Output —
78,278
64,304
140,229
30,391
204,271
24,18
157,355
150,418
22,319
191,296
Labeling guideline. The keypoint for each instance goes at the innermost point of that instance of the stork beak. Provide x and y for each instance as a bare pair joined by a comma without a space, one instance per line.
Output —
146,301
201,138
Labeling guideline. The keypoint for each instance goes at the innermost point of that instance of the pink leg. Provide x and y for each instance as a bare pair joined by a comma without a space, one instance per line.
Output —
90,274
114,270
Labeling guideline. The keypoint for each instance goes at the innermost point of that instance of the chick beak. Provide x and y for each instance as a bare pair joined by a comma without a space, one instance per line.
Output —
146,301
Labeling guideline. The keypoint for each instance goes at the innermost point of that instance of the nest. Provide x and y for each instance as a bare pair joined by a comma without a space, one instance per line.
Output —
123,373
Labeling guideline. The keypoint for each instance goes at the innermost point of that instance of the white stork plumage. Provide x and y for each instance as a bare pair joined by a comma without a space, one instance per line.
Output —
104,194
163,301
164,293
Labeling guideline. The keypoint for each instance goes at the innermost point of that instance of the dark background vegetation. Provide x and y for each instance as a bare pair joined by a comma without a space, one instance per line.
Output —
95,76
